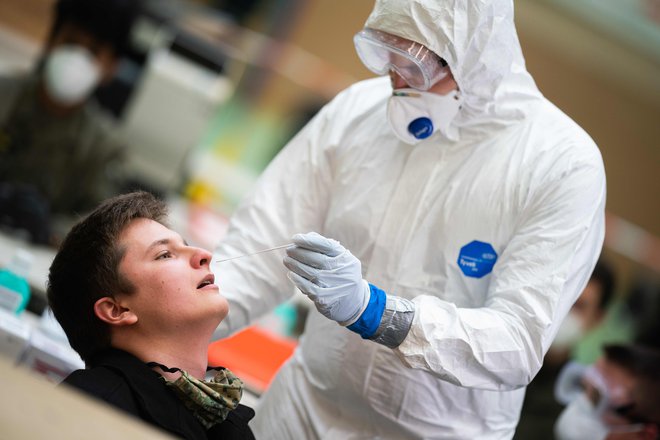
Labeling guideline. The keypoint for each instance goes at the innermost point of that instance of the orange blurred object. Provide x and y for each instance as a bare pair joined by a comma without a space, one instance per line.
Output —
254,355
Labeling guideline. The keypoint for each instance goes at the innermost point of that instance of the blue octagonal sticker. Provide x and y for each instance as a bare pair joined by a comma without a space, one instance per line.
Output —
477,259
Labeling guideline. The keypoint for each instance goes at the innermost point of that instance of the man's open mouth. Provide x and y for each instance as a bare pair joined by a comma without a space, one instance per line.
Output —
208,280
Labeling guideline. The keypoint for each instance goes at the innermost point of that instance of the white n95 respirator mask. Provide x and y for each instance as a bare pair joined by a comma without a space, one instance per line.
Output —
70,74
415,115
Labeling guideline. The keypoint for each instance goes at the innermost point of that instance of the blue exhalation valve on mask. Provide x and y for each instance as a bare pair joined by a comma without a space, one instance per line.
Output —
421,128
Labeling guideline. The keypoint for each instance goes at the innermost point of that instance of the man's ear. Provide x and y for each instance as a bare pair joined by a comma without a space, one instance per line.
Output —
109,310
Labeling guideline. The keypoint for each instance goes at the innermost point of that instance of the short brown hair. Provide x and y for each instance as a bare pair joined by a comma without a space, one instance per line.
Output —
86,268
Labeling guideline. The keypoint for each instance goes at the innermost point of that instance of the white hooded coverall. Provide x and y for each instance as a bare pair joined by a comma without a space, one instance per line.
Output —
520,176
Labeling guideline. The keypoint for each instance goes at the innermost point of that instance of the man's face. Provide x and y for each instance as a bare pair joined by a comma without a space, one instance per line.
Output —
174,286
442,87
103,52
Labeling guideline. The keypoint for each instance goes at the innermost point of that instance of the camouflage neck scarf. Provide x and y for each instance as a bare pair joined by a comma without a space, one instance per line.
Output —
210,401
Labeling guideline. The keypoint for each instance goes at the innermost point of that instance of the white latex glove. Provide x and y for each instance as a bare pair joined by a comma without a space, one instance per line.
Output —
329,275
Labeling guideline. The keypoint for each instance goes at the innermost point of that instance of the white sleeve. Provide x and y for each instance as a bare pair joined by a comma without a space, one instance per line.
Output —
539,275
291,196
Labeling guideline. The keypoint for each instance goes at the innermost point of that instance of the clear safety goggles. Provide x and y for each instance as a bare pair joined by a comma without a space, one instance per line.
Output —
576,379
381,52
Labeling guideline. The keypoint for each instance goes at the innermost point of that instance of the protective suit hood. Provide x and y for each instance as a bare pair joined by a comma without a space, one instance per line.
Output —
478,40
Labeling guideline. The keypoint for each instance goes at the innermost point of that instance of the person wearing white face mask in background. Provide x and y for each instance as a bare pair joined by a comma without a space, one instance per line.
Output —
594,321
55,142
617,398
473,210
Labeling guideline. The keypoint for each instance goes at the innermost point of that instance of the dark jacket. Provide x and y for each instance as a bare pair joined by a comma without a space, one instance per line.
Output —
126,382
74,161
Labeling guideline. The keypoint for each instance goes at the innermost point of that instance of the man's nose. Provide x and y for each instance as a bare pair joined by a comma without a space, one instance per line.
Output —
201,257
397,81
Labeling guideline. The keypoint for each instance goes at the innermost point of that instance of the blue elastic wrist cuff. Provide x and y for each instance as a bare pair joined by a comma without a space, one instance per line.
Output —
368,322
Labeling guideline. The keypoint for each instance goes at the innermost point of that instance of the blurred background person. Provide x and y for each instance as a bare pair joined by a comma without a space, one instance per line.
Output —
57,155
617,398
595,319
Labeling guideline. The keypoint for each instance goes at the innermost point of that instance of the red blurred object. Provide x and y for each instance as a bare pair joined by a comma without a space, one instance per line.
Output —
254,355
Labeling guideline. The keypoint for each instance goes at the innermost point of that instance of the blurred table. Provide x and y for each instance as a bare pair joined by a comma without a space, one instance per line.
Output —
33,408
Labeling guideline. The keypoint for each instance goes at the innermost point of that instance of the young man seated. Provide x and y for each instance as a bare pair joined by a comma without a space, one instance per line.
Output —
139,305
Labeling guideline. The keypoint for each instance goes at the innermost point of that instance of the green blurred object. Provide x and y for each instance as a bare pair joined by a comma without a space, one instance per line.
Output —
14,288
617,327
288,314
241,140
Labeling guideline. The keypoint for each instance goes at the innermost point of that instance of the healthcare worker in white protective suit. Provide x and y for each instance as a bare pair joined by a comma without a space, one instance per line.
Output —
476,210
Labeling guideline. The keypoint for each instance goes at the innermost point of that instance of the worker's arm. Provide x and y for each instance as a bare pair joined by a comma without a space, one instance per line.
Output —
500,345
